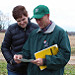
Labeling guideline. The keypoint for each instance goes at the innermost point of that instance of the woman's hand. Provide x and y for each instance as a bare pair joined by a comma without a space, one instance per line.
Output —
16,57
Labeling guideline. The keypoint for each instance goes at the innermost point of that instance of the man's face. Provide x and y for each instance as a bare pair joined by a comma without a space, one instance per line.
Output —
22,22
43,22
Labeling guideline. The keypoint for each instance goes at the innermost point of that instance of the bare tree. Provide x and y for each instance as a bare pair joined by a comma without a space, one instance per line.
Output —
0,20
4,20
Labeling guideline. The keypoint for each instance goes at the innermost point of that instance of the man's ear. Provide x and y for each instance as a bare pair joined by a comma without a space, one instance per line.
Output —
48,15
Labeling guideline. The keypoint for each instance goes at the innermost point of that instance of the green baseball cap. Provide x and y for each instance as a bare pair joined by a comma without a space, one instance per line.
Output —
40,11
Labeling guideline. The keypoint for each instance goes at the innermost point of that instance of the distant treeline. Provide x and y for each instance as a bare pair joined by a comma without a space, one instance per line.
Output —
71,33
2,31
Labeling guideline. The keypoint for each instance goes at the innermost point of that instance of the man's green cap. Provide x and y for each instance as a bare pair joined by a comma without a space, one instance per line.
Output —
40,11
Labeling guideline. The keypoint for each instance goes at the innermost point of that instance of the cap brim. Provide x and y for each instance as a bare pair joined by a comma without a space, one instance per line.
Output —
37,16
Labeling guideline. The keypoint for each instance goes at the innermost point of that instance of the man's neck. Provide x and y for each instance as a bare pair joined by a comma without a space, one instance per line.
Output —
44,29
49,23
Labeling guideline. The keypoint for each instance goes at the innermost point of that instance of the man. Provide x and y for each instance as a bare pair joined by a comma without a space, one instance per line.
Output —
15,37
47,35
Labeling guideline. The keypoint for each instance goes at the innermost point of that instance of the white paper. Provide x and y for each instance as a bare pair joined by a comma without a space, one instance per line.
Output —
26,60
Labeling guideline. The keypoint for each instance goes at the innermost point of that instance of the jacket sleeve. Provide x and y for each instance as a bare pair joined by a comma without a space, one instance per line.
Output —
55,62
26,49
6,46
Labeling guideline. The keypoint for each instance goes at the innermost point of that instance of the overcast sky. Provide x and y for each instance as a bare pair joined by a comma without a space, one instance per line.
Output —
62,12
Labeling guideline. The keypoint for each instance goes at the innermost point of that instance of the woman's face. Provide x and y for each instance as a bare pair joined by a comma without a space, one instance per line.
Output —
23,21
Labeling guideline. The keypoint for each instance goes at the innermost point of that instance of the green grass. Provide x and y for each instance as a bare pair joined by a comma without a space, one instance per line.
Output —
69,69
3,69
72,51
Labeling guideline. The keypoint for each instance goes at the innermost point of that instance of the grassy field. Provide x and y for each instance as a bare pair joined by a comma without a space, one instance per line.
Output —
3,69
69,69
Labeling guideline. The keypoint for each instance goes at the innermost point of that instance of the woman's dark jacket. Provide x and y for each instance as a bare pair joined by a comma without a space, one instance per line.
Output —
14,39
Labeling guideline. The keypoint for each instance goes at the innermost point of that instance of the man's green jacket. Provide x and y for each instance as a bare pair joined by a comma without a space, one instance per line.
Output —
39,40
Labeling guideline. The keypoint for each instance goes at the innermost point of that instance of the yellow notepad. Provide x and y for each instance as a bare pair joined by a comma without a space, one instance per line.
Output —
52,50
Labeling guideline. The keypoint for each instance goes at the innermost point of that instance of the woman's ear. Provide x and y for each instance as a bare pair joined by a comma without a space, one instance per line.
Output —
27,15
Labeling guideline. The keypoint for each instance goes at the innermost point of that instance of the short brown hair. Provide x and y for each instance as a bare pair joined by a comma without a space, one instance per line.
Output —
18,11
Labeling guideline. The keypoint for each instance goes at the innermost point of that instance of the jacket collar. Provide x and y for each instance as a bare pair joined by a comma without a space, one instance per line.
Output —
50,29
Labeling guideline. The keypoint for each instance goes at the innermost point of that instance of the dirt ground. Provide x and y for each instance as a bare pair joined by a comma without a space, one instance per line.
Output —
1,56
72,60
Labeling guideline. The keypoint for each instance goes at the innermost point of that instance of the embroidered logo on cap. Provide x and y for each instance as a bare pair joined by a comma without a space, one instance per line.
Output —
36,10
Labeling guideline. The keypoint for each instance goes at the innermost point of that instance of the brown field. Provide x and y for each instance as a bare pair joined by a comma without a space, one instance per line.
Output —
71,38
1,37
72,41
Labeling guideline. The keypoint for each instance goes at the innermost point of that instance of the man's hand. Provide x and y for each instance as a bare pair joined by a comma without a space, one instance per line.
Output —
16,57
38,62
